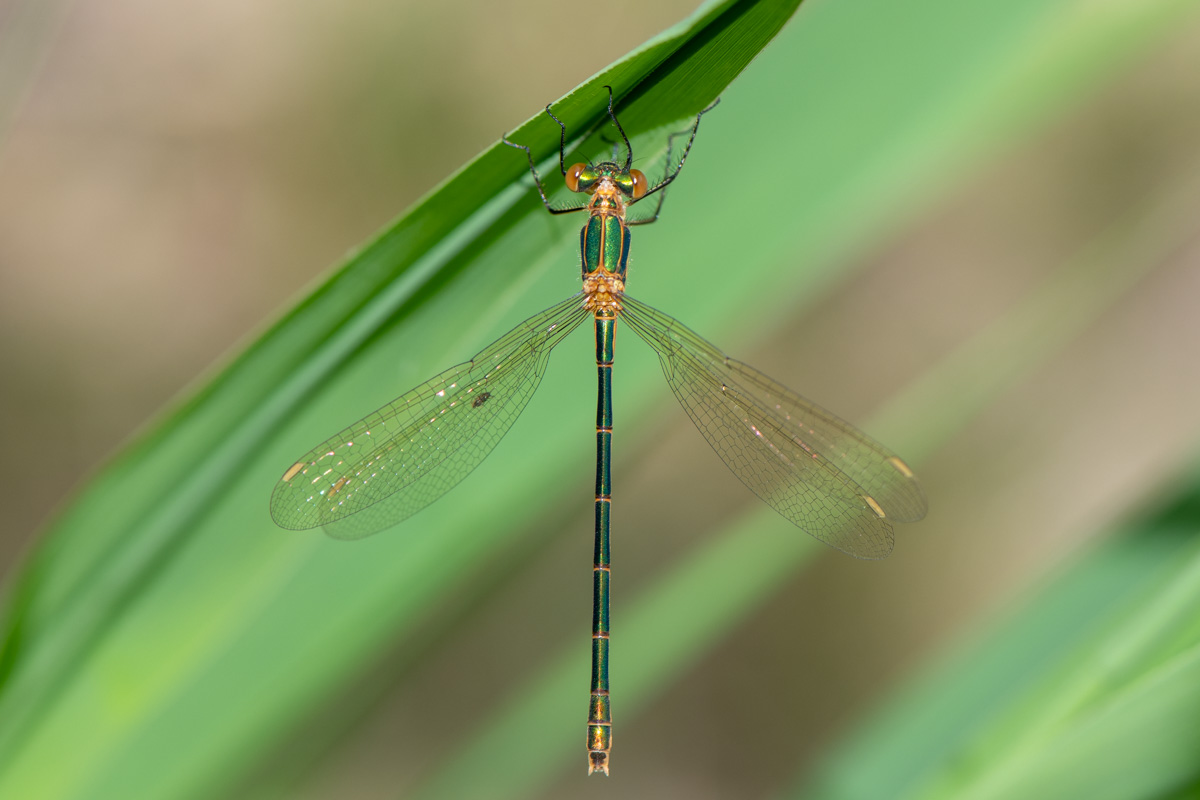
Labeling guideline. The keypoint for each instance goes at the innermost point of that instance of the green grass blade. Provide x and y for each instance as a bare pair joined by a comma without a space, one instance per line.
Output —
163,599
1089,691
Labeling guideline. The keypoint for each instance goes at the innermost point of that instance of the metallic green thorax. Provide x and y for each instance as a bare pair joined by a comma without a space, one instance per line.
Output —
604,243
604,240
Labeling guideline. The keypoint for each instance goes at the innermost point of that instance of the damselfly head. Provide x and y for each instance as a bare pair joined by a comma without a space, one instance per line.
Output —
587,179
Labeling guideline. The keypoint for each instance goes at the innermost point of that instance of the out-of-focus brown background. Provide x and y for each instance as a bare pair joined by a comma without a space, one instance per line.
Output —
174,174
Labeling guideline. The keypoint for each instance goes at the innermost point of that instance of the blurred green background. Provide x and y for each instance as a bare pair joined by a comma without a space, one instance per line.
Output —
970,228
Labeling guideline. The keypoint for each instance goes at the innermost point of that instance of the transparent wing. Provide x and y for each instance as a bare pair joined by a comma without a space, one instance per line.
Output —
401,458
817,470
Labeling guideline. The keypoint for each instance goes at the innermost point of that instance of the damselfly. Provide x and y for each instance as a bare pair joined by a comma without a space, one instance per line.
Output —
818,471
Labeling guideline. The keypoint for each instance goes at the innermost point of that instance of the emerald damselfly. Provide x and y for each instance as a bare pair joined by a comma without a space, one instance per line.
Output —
817,470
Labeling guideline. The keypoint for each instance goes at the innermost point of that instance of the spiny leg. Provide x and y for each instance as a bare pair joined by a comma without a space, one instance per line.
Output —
562,138
673,174
562,141
562,166
537,179
562,154
670,146
613,116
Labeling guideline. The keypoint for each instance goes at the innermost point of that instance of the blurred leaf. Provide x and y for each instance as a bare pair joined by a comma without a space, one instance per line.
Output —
164,632
25,38
1092,690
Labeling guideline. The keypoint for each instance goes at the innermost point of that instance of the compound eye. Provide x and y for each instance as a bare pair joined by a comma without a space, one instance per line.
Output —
572,176
640,184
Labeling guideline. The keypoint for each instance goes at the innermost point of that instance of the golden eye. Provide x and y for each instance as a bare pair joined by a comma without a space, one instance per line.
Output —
640,185
572,176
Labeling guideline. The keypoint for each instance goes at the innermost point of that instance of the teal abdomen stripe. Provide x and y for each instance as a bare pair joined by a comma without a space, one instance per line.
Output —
606,332
600,579
599,732
602,522
600,664
603,464
604,396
